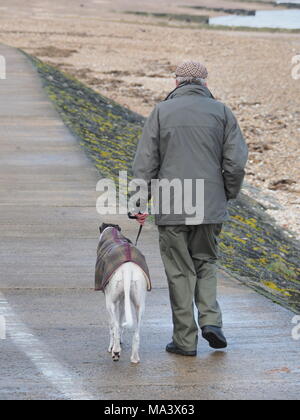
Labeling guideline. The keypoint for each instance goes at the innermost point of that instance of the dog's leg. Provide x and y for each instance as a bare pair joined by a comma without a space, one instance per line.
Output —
121,318
111,339
111,294
138,297
110,309
135,358
111,330
116,351
116,348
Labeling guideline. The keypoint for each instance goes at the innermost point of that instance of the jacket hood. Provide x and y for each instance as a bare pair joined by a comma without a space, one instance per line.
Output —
190,89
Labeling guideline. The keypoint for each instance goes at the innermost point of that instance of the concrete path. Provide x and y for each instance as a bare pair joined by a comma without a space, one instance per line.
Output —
56,339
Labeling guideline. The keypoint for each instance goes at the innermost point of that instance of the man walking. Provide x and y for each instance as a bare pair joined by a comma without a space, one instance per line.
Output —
191,136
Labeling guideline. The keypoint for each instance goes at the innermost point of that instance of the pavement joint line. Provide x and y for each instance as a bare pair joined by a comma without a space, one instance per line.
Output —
58,375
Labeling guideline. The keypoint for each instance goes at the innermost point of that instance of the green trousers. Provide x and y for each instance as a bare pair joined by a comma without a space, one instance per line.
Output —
189,254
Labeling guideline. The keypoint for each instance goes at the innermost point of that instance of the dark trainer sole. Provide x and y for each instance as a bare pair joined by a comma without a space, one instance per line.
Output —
214,341
182,352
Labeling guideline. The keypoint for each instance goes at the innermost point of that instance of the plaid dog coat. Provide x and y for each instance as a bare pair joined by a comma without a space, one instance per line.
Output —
113,251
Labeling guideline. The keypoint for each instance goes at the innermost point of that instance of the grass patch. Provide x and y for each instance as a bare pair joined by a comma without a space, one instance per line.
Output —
241,12
281,268
173,16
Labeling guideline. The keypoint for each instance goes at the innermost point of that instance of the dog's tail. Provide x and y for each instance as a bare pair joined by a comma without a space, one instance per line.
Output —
127,284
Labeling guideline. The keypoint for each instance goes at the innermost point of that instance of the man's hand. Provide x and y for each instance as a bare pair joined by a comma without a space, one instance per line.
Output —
141,218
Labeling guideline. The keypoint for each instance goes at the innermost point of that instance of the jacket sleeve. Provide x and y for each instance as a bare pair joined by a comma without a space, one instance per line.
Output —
235,155
146,163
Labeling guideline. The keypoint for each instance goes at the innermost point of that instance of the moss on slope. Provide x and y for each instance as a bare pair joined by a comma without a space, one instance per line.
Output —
251,246
108,131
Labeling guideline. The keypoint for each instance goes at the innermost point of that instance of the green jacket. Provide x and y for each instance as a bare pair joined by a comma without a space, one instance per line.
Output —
192,136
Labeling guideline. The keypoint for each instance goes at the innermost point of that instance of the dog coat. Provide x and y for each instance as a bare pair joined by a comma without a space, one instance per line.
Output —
113,251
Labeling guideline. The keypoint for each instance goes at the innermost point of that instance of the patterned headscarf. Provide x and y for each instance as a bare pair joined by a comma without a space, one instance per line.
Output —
192,69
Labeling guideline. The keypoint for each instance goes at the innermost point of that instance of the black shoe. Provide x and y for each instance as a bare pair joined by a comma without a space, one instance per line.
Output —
172,348
215,337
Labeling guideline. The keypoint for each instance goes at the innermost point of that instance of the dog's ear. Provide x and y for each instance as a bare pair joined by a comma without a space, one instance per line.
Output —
102,227
105,225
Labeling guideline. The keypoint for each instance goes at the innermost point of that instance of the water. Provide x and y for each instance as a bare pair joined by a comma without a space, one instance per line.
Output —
285,19
288,1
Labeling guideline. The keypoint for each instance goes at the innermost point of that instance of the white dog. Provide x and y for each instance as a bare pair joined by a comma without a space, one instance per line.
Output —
124,288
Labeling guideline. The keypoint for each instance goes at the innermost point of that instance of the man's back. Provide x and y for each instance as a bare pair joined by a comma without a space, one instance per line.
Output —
192,136
192,133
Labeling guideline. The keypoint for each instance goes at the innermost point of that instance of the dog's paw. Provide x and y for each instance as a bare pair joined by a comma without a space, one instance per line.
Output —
135,360
116,356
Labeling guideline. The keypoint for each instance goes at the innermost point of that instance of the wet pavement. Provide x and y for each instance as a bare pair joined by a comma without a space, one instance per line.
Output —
56,341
